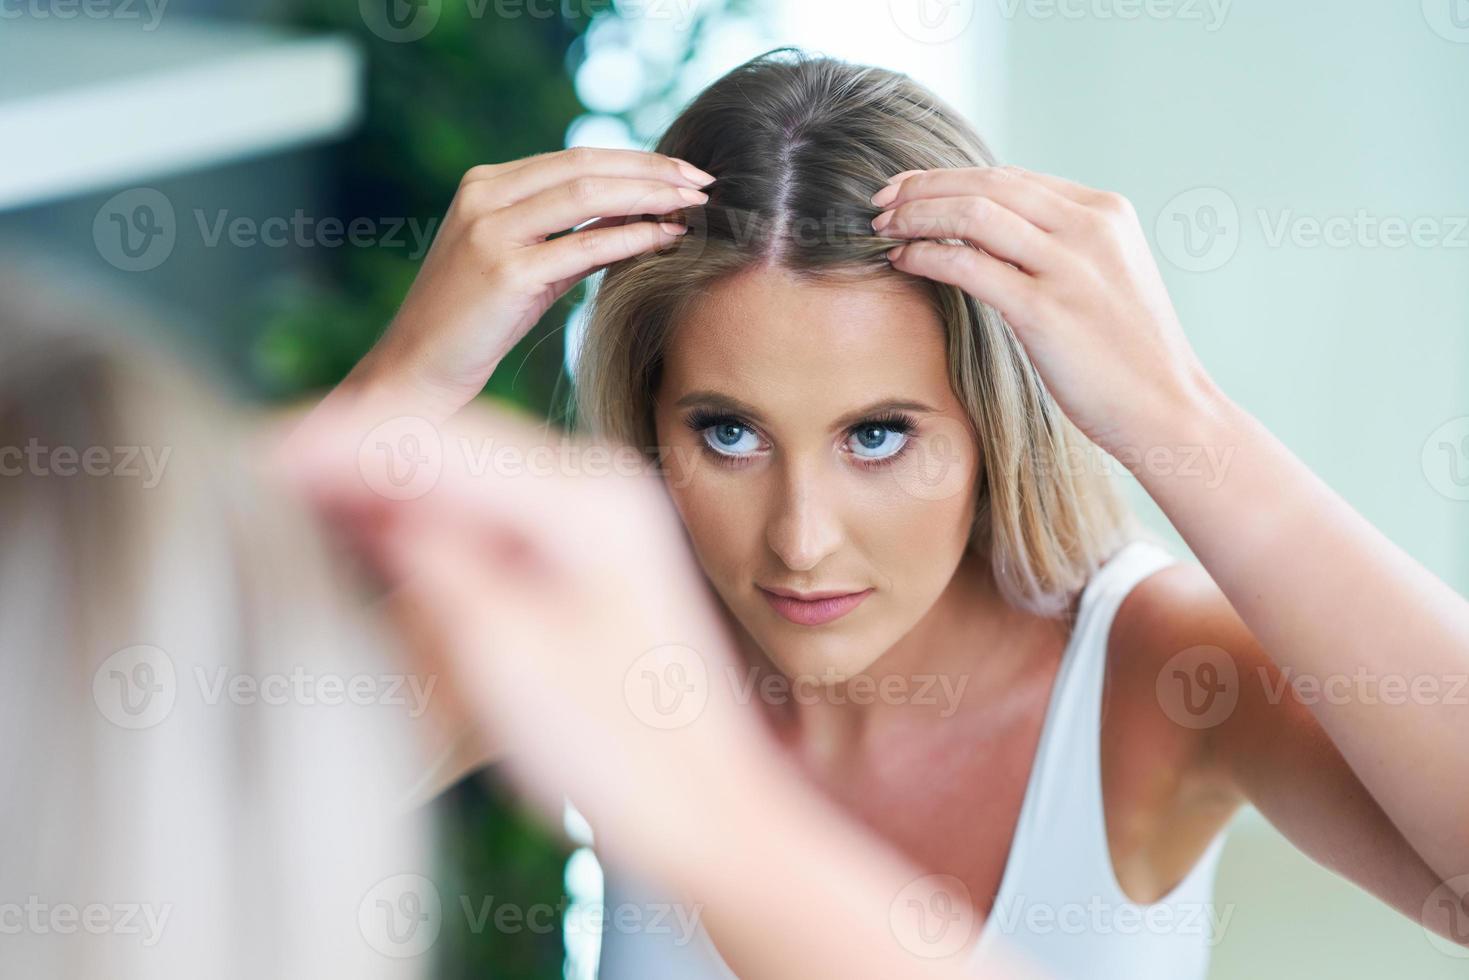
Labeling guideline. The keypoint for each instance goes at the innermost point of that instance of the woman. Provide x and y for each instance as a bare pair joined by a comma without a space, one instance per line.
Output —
207,752
876,370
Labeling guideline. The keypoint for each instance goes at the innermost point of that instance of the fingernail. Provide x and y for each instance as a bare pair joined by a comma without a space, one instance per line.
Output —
693,173
673,228
900,176
692,196
881,221
896,253
885,196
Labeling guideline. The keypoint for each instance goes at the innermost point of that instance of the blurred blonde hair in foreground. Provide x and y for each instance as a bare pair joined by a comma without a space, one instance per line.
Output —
160,823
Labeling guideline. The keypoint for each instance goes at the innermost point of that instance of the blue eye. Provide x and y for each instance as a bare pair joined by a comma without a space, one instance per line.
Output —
872,441
875,441
730,439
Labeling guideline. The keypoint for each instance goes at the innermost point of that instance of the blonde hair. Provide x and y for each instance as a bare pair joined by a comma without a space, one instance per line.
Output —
216,836
798,144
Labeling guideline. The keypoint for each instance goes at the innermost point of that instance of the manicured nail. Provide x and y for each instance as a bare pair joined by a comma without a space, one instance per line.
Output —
692,196
693,173
896,253
885,196
672,228
881,221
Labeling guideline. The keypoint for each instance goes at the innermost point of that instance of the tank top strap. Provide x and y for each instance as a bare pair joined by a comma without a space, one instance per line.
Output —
1063,810
1060,865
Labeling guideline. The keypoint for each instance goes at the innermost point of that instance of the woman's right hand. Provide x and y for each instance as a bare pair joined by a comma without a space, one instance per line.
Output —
562,605
491,272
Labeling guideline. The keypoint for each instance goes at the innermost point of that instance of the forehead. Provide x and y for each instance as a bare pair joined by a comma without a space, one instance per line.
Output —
765,336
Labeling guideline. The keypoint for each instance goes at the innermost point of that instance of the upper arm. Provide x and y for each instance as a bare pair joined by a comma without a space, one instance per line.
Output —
1246,736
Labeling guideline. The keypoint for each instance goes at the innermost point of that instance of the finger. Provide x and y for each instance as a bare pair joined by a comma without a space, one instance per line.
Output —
561,502
1069,189
572,257
584,198
519,179
609,222
986,278
484,472
981,220
1031,199
560,287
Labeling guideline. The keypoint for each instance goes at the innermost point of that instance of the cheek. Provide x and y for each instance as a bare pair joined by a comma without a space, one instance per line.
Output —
912,540
724,526
919,525
717,506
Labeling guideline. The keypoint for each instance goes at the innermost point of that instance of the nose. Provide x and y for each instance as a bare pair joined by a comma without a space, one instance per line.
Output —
804,527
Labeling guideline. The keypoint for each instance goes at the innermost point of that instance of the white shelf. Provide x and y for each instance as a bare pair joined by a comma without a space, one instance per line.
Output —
85,106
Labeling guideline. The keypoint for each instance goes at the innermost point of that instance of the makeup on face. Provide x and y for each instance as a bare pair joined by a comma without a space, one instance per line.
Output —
814,609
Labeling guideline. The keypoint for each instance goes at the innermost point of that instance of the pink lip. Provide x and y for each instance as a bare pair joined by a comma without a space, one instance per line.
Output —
816,611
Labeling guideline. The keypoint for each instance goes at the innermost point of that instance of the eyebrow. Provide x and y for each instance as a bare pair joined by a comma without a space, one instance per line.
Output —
726,403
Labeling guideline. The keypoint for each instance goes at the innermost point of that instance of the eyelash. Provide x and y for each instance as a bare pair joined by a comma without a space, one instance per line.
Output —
702,419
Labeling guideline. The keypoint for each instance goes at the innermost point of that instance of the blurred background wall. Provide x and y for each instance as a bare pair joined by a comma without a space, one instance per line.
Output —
263,177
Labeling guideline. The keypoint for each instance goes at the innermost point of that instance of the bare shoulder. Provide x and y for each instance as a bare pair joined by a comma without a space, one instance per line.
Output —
1178,603
1167,647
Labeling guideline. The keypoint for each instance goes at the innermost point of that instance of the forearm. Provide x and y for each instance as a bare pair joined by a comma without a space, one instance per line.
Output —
1384,643
389,379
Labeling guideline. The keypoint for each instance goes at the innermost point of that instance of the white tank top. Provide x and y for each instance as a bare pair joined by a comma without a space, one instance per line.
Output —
1059,904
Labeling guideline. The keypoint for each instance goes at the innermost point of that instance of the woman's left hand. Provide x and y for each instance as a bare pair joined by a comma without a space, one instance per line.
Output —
1069,269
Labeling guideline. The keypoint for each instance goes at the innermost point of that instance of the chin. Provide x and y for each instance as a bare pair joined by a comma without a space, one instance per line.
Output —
823,656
